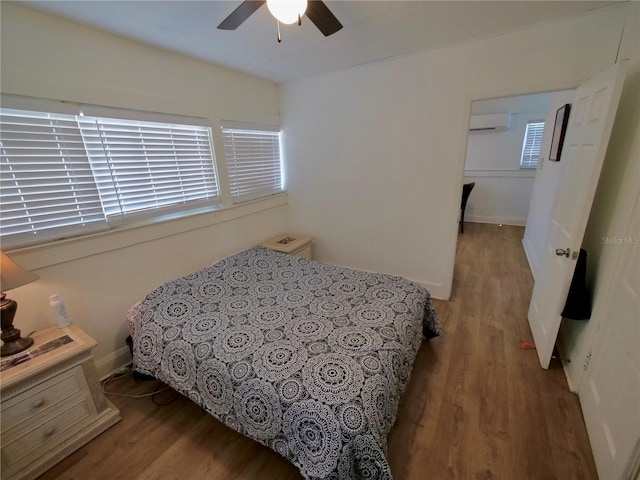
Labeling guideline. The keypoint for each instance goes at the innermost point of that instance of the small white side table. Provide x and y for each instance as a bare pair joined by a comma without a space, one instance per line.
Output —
294,244
52,402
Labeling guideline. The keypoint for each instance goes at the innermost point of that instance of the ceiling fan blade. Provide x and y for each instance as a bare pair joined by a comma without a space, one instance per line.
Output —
322,17
240,14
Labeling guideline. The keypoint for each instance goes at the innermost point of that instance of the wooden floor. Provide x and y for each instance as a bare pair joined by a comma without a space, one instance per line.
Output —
478,406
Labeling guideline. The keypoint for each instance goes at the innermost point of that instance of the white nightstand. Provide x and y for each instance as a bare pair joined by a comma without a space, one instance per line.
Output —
294,244
51,402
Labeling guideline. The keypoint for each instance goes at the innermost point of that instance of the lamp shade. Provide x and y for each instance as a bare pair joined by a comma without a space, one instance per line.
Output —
287,11
13,275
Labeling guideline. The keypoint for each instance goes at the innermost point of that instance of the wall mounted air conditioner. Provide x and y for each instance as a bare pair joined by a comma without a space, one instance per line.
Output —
493,122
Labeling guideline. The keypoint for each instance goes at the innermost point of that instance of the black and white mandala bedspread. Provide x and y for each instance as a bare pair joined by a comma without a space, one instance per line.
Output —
306,358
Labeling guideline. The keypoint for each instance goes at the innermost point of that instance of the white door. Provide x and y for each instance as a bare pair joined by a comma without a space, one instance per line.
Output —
610,396
590,123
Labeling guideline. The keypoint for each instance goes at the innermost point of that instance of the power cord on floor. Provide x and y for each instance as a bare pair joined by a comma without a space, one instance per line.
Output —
175,396
124,372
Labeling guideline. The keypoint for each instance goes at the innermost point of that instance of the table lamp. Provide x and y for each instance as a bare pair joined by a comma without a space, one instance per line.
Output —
12,276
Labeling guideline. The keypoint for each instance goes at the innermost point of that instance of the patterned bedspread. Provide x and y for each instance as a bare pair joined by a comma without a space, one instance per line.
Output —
306,358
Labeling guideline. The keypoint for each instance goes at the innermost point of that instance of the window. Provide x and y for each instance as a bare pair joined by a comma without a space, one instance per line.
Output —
253,160
64,175
531,145
139,165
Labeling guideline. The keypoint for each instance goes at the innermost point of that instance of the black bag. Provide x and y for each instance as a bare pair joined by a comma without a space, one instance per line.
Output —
578,305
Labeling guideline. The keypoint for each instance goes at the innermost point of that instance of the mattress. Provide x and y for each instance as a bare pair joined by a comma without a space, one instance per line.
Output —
307,358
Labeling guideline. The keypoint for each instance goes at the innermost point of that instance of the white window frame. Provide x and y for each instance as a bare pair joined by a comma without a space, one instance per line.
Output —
110,219
253,159
531,144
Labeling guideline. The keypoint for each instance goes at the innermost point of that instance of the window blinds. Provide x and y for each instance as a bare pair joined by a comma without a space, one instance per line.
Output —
253,161
146,165
46,180
63,175
531,145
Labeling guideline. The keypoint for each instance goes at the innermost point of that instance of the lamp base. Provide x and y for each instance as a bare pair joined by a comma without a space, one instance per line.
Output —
16,346
13,342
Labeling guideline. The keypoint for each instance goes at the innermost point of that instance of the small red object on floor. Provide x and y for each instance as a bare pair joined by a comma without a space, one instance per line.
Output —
528,346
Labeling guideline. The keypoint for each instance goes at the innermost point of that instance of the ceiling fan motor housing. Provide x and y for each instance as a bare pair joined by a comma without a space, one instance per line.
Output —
287,11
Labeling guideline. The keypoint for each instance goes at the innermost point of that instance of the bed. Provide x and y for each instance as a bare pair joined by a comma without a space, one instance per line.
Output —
306,358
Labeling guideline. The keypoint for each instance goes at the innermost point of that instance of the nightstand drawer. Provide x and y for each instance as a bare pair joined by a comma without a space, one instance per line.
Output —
28,444
41,398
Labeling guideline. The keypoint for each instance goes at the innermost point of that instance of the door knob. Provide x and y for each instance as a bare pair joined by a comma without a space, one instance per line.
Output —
563,252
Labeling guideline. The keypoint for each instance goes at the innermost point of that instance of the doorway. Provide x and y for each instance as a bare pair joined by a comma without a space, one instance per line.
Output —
495,145
567,210
506,193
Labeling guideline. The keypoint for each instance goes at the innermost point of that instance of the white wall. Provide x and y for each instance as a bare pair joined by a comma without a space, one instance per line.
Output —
376,153
544,186
100,277
503,190
499,197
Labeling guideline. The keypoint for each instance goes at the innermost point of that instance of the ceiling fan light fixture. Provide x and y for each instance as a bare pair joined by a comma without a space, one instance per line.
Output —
287,11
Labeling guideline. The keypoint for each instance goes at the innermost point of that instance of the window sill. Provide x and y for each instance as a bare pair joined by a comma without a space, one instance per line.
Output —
66,250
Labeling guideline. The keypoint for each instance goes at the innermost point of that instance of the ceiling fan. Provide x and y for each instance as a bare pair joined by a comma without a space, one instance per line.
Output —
286,11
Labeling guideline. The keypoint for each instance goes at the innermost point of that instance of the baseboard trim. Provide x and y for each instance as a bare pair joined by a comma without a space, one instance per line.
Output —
531,257
567,373
436,290
112,362
517,222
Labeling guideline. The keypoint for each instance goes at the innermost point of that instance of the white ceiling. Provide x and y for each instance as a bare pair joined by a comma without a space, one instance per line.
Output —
373,30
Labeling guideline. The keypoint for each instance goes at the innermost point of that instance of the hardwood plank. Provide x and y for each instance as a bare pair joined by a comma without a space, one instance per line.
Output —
477,407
